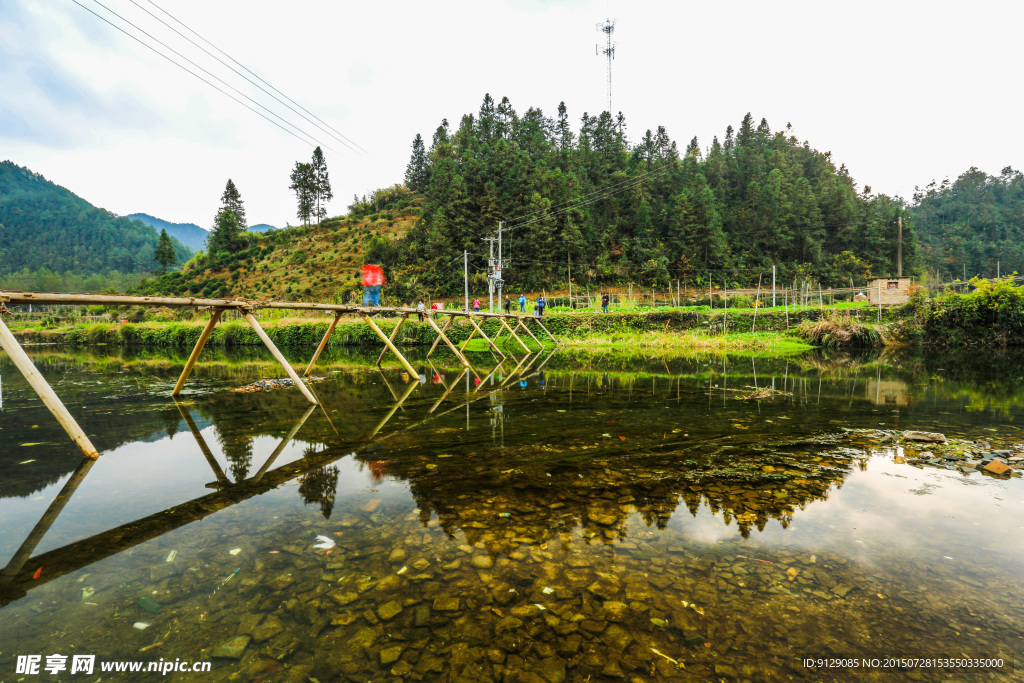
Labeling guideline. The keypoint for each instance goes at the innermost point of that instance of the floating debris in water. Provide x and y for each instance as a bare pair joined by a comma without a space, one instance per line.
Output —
171,555
150,647
141,625
234,551
88,593
271,384
25,462
150,605
325,542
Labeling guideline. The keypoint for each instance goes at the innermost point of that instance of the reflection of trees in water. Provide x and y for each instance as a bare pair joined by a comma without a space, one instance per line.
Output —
319,486
238,452
487,501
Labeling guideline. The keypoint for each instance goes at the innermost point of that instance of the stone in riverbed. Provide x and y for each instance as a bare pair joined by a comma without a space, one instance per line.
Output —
270,627
551,669
925,437
231,649
446,604
602,519
997,467
388,611
391,654
482,561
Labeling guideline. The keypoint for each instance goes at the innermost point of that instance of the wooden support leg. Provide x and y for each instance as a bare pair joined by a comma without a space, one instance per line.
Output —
532,335
413,375
481,332
24,553
394,408
447,323
505,325
254,324
448,391
516,370
537,320
394,334
38,383
323,343
210,324
222,478
440,336
468,339
284,442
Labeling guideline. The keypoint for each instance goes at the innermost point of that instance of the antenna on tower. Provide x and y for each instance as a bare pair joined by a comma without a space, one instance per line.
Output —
609,51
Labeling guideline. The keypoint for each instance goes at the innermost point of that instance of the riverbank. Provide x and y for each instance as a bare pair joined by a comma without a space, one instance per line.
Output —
699,328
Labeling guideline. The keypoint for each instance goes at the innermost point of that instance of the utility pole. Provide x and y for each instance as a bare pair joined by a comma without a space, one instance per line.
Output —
773,286
501,266
899,248
609,51
465,276
490,269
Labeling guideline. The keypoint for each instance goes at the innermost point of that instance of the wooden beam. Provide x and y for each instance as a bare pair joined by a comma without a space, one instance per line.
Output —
529,332
22,555
448,390
254,324
413,375
50,400
446,324
394,333
505,325
284,442
207,330
496,349
394,408
207,453
323,343
440,336
537,320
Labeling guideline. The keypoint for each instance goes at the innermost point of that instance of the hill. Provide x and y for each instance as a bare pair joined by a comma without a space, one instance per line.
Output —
262,227
43,225
972,226
306,262
189,234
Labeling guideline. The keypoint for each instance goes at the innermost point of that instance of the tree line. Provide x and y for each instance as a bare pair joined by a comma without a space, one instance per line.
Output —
640,210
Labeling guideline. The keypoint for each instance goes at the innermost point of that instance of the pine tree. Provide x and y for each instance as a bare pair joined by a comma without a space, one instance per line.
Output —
232,201
164,252
227,233
304,186
321,184
416,173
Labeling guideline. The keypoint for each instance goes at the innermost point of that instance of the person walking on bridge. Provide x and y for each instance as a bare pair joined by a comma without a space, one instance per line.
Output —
373,280
508,305
522,303
541,303
476,305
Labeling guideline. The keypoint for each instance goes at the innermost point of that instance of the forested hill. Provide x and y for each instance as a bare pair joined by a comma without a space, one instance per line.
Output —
639,210
43,225
974,225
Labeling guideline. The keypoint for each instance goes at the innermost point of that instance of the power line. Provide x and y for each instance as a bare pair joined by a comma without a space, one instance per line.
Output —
342,139
185,68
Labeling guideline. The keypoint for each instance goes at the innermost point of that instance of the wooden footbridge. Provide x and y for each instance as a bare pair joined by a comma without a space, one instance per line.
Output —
247,307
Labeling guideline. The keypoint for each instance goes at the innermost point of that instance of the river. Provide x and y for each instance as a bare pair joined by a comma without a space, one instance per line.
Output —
580,517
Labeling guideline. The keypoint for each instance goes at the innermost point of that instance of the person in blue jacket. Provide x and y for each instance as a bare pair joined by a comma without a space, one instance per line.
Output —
541,303
522,303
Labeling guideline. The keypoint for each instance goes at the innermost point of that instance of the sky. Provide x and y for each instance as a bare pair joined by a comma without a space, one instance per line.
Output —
901,92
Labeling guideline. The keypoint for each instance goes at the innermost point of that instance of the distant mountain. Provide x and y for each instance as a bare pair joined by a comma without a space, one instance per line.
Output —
43,225
189,234
262,227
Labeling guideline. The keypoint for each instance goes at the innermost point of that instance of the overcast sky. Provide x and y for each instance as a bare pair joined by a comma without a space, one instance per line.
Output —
901,92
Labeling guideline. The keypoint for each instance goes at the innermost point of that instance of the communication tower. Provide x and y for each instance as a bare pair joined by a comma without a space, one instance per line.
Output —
609,51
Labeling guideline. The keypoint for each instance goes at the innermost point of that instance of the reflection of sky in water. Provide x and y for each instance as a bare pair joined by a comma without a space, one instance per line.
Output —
935,516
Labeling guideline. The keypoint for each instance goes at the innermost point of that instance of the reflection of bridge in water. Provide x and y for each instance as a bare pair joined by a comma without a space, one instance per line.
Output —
770,483
17,577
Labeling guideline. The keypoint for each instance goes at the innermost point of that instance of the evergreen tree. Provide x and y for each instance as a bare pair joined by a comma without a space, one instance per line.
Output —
164,253
321,184
416,173
226,234
304,186
232,201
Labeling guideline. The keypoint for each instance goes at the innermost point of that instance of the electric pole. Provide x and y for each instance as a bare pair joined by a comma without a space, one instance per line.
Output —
465,276
490,270
899,247
609,51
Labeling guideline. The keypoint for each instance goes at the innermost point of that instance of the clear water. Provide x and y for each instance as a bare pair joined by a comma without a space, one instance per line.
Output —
582,519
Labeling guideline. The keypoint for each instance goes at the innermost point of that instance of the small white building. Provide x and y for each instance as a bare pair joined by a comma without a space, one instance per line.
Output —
889,290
